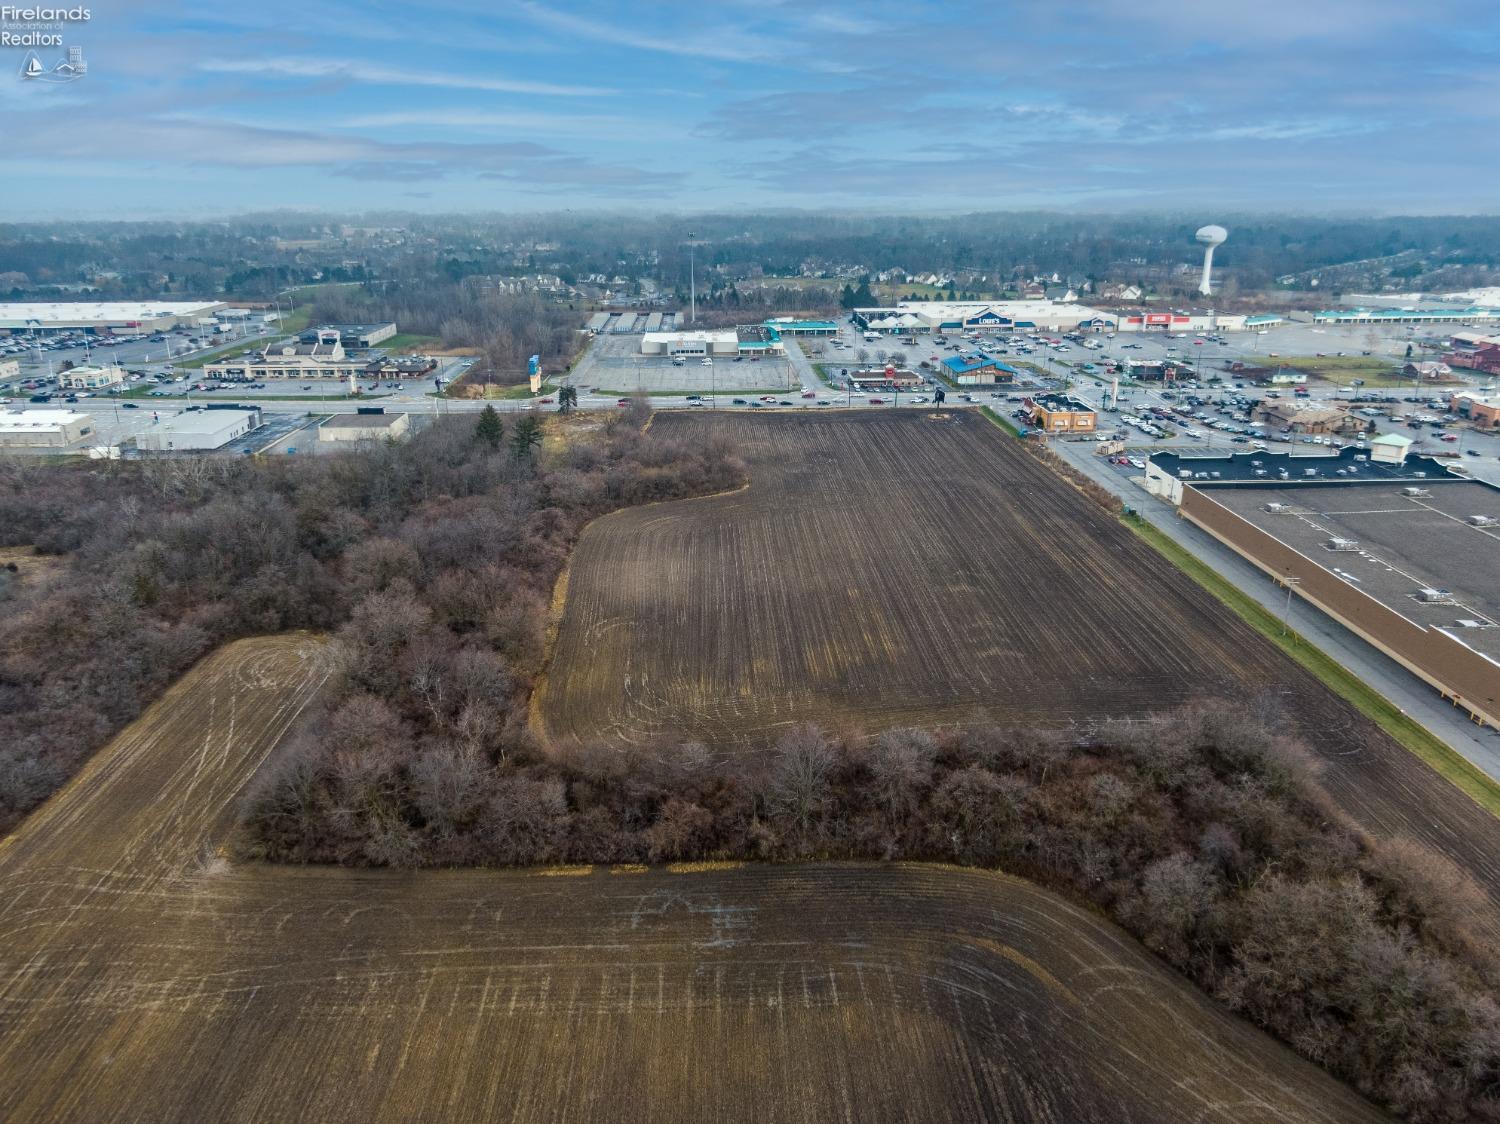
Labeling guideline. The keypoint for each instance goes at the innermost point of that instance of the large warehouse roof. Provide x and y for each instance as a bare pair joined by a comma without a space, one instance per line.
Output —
57,314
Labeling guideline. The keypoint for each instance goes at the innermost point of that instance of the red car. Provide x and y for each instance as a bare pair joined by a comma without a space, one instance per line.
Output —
545,401
623,402
877,401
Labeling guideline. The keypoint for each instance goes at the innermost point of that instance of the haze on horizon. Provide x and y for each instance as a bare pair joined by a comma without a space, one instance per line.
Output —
189,110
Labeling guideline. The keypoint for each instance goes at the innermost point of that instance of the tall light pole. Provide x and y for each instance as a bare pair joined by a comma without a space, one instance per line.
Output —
692,278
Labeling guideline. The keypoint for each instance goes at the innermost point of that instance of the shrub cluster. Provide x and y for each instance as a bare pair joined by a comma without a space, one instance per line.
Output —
435,558
1198,831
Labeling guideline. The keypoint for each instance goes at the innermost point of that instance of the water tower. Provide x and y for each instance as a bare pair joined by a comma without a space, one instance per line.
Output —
1210,236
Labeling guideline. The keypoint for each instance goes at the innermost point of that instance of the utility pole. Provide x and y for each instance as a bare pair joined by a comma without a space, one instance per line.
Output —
1291,583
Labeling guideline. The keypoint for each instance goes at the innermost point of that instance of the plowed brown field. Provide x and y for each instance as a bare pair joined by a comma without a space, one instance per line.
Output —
143,979
897,569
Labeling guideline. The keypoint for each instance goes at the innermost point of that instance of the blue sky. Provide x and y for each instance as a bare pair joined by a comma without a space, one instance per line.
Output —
217,107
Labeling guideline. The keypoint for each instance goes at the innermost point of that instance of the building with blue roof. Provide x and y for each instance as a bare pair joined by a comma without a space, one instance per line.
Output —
977,369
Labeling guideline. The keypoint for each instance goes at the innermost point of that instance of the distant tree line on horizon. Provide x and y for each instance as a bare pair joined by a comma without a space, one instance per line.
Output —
238,258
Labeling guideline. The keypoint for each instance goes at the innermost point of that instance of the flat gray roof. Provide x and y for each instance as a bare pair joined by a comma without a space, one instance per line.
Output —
1404,544
362,421
205,421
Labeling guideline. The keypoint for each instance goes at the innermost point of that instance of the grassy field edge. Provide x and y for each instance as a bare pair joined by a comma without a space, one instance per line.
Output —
1003,423
1417,739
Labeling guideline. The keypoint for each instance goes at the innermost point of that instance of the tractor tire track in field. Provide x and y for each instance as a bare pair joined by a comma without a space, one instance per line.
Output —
894,569
141,978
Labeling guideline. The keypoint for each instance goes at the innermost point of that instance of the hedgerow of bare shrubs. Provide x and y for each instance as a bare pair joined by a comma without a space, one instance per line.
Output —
1090,488
1199,831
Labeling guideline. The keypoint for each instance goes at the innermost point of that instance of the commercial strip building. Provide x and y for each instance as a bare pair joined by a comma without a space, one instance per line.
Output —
198,430
323,358
751,340
91,377
353,337
1388,460
1474,315
936,317
372,424
1061,413
710,344
786,326
1182,322
43,429
1406,555
135,316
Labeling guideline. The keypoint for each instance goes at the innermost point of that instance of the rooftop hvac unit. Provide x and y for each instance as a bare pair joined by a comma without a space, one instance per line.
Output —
1481,521
1415,492
1276,507
1469,623
1435,596
1342,544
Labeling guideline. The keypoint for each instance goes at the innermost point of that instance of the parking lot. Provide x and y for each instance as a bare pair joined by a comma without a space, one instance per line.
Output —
152,350
614,365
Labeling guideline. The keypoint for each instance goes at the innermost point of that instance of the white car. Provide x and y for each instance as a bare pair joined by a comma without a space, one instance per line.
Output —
708,362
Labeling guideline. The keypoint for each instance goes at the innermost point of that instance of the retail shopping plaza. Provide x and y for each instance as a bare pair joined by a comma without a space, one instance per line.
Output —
936,317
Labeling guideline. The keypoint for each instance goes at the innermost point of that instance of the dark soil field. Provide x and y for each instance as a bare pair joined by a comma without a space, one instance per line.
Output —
144,978
889,569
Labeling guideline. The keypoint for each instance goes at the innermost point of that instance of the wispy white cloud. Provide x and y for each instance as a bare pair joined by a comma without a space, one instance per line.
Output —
598,125
350,70
196,143
722,44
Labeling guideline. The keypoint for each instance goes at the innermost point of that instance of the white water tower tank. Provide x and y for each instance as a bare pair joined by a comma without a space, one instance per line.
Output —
1210,236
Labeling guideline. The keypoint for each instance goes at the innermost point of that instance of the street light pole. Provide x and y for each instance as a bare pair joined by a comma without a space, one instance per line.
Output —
692,279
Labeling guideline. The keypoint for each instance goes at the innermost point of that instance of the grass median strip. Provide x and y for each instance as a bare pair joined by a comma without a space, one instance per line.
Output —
1448,763
1003,423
